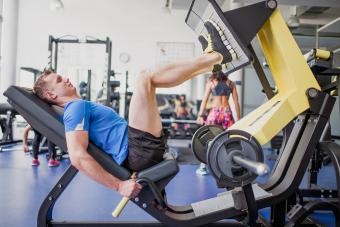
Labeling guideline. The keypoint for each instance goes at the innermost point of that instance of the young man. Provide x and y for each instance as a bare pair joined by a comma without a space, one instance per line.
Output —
140,143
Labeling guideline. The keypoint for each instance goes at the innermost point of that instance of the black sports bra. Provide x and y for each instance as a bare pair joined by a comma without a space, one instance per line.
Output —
222,88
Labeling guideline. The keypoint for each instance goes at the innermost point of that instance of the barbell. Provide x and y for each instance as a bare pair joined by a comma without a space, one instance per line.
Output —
170,121
201,139
235,158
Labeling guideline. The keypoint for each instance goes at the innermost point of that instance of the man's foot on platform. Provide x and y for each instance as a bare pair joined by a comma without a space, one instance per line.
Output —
215,41
204,43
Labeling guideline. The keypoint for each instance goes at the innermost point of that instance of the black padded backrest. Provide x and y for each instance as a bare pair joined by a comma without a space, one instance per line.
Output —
43,118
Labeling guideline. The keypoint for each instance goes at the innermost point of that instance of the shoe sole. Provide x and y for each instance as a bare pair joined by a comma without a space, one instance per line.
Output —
218,38
203,41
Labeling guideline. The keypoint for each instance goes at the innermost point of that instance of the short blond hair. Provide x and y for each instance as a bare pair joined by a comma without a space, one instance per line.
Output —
40,85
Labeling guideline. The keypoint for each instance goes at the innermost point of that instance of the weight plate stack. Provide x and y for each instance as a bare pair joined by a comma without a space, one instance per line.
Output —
227,173
202,137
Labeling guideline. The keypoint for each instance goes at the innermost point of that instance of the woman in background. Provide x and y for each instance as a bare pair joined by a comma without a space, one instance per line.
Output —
52,162
220,87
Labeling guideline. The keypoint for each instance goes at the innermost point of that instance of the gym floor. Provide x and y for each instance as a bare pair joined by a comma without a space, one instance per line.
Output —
24,187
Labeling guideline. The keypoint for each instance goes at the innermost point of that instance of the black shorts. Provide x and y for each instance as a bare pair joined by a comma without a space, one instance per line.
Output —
145,149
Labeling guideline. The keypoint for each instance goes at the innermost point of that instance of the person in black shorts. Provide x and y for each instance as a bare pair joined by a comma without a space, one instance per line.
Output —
138,144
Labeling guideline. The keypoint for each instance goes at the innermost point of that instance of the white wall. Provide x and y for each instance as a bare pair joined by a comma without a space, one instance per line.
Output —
9,31
134,26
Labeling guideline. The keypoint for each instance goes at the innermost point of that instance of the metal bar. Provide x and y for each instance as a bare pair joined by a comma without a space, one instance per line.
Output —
251,204
319,193
109,52
323,3
278,214
261,75
46,208
67,41
50,49
2,143
333,149
80,41
95,41
338,80
125,95
139,224
330,87
169,121
56,57
88,91
336,137
258,168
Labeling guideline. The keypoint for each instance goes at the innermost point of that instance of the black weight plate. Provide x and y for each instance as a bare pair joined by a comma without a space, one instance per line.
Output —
201,139
219,156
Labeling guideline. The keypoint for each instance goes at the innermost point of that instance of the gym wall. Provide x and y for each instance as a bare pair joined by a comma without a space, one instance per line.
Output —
134,26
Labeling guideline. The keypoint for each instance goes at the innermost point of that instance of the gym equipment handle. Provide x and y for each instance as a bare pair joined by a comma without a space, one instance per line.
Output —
122,202
120,207
255,167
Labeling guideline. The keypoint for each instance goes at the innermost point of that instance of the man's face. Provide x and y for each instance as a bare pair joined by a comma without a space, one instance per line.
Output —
58,87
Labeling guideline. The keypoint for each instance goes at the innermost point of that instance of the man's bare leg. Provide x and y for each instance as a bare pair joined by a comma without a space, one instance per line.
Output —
143,112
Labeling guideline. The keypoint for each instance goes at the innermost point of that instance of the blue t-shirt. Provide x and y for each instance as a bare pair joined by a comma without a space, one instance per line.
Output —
105,127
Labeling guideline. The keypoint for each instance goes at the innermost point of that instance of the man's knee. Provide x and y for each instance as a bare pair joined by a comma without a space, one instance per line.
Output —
144,79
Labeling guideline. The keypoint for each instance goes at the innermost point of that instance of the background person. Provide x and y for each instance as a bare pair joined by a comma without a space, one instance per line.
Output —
220,87
52,162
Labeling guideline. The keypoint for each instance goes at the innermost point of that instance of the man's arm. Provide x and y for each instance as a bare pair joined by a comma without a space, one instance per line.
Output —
77,143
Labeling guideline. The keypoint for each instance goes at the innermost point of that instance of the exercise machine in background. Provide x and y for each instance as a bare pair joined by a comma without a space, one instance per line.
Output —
35,72
328,76
7,116
85,87
53,47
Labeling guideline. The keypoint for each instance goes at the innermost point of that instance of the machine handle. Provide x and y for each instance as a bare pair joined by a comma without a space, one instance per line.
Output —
122,202
258,168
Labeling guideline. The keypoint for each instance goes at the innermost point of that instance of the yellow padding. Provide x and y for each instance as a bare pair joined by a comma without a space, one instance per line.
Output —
292,77
322,54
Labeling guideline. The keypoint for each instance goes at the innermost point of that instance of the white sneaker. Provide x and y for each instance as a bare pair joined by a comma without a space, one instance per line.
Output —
202,170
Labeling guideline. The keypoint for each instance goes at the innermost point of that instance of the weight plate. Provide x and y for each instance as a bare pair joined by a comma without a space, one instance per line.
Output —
201,139
220,161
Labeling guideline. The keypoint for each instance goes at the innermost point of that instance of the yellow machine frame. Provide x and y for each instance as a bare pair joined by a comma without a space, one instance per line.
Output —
292,77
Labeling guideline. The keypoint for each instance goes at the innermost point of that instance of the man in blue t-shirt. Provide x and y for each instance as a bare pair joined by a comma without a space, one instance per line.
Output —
140,143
